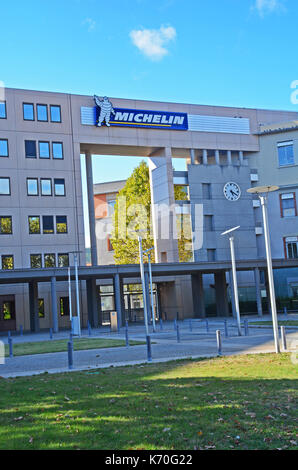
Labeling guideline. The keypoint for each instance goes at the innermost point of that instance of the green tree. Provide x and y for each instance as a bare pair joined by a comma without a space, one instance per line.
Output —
132,212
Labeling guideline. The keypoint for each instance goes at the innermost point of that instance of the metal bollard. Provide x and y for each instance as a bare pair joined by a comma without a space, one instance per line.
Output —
89,329
21,330
246,328
71,337
178,334
9,334
190,325
283,337
285,311
149,355
175,325
218,340
126,335
10,346
207,326
160,322
70,354
226,328
51,333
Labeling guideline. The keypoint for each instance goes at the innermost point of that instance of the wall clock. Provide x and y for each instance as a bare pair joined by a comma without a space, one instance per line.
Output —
232,191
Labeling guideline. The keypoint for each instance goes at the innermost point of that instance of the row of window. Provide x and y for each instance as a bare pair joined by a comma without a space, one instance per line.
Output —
8,309
45,186
46,150
48,260
35,224
42,112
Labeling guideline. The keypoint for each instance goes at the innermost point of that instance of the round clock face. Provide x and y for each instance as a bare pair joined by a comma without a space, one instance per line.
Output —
232,191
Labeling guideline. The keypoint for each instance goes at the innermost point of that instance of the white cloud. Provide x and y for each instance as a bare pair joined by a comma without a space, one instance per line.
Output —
268,6
152,42
90,23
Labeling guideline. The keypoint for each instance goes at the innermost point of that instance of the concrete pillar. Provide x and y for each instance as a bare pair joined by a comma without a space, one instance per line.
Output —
232,294
54,305
258,291
217,159
92,303
119,299
33,306
241,158
192,157
229,157
91,210
163,206
205,157
198,295
222,306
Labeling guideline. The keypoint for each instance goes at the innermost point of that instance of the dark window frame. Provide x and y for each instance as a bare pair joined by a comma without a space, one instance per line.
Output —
46,179
38,217
63,254
7,256
30,156
46,106
28,104
281,199
35,254
43,229
61,233
6,217
5,156
6,178
59,195
55,106
35,179
44,260
53,155
49,147
62,299
41,303
5,107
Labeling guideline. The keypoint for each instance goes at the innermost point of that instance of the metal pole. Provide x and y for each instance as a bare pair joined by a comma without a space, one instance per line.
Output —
149,355
77,292
234,276
143,285
283,338
152,299
218,340
178,334
270,273
69,295
70,354
10,346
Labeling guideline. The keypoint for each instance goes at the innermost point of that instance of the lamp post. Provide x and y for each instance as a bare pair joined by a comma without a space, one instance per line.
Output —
143,285
75,253
234,275
262,192
151,287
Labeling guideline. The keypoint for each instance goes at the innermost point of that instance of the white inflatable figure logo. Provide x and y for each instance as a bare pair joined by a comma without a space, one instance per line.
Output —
106,109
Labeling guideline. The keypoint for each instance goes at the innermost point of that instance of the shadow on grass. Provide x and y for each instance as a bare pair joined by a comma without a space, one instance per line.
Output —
223,403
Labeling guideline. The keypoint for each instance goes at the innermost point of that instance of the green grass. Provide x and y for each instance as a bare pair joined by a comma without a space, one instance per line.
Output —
280,323
52,346
239,402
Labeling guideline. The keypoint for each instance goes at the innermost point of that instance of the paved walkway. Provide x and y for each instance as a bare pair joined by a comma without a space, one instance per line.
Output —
195,341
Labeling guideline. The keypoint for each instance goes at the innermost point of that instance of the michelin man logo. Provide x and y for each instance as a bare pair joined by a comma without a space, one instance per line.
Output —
106,109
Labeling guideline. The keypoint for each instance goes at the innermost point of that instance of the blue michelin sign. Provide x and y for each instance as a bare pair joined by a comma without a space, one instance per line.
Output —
105,114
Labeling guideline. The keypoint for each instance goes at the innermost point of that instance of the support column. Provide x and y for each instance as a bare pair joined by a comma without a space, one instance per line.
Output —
229,157
92,303
217,159
119,299
163,206
54,305
258,292
91,210
192,157
33,306
198,295
205,157
234,313
222,305
241,158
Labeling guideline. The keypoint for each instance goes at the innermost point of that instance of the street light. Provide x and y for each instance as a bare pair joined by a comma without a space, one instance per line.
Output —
143,284
234,275
260,190
151,287
75,253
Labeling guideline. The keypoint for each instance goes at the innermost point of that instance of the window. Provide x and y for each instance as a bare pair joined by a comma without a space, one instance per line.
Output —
35,261
44,149
206,190
34,224
64,306
3,148
30,149
49,260
9,310
46,187
3,114
55,113
291,247
211,254
288,205
28,111
48,224
59,187
42,112
5,225
7,262
111,207
285,153
208,223
41,308
57,149
4,186
61,224
32,186
63,260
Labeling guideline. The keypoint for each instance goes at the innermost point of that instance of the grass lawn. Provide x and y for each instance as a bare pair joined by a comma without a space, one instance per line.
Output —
280,323
240,402
51,346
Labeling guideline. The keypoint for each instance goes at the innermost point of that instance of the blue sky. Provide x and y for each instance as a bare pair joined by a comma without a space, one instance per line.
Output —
217,52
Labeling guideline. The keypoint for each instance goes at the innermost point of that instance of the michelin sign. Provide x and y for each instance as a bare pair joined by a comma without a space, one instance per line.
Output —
105,114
